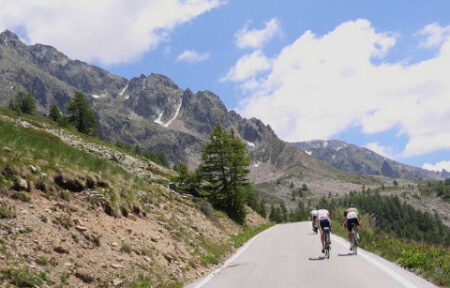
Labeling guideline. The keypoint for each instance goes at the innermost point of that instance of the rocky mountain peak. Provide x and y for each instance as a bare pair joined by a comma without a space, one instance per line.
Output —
10,40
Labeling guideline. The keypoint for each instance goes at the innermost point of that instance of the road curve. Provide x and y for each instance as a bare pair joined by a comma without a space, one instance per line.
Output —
288,255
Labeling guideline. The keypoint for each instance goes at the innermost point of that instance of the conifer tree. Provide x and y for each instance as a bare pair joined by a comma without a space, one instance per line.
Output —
81,116
55,113
225,168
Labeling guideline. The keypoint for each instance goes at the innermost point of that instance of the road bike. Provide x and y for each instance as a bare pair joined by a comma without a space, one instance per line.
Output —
354,242
326,232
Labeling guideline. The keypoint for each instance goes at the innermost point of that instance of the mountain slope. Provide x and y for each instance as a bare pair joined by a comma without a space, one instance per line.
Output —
154,113
78,212
362,161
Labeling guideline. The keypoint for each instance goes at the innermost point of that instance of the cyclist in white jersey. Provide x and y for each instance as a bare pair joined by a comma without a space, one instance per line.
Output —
351,216
323,220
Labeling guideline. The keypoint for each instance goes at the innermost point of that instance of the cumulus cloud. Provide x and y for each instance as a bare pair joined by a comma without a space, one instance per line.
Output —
385,151
437,166
254,38
434,35
248,66
192,56
319,86
107,31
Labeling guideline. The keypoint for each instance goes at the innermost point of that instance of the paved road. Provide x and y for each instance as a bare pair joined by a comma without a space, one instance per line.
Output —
289,255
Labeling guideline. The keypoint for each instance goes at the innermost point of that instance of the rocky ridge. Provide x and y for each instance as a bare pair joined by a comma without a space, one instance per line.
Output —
362,161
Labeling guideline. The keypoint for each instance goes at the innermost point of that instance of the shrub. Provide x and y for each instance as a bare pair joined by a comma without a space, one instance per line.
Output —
22,196
24,278
126,248
6,211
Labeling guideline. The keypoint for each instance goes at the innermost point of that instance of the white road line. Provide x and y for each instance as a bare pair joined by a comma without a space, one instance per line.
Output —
389,271
237,254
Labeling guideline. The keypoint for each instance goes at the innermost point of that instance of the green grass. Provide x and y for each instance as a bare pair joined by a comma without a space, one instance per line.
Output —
30,146
211,253
247,234
24,278
6,211
42,261
22,196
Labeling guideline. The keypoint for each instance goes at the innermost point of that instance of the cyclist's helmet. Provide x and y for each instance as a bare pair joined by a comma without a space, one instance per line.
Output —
323,206
352,205
317,206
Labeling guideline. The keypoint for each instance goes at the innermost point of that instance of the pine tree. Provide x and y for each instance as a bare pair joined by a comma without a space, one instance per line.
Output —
23,102
55,113
225,168
81,116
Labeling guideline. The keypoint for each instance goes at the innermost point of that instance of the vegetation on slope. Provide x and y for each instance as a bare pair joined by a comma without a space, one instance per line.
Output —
46,163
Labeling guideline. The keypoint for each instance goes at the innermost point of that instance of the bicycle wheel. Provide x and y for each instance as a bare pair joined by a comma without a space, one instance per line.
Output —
354,241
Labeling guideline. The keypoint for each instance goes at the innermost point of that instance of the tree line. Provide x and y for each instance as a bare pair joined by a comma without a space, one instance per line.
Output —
81,116
391,215
78,112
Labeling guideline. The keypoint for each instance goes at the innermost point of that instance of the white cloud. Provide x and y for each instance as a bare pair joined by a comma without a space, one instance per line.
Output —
248,66
437,166
385,151
254,38
192,56
107,31
434,35
319,86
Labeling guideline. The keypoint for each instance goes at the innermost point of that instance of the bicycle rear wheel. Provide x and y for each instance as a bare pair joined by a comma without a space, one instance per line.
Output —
354,241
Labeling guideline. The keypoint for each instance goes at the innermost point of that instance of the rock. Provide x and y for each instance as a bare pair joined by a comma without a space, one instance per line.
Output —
6,149
114,244
60,250
117,282
154,239
116,266
21,184
146,258
33,169
131,217
9,172
81,228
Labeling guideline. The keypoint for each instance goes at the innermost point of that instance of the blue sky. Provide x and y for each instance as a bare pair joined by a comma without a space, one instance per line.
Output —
279,85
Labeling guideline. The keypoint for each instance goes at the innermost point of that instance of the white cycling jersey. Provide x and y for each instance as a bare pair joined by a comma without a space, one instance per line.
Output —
352,213
314,213
323,214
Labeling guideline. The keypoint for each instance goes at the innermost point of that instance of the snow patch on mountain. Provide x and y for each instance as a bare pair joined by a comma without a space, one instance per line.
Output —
158,120
175,116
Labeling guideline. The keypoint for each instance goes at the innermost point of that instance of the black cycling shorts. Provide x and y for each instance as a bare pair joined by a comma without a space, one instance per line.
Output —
350,222
324,223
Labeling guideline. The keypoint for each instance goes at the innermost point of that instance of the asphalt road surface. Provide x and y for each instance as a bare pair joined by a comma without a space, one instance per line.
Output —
289,255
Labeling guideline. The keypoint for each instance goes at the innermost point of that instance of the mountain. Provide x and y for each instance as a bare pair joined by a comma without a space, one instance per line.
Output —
153,112
362,161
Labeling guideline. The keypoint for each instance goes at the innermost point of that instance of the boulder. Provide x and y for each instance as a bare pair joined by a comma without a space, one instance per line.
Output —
6,149
21,184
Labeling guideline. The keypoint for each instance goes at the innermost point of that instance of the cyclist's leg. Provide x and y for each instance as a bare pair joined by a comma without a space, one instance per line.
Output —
349,229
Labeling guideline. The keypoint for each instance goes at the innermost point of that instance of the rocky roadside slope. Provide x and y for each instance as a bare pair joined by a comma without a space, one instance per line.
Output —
62,227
